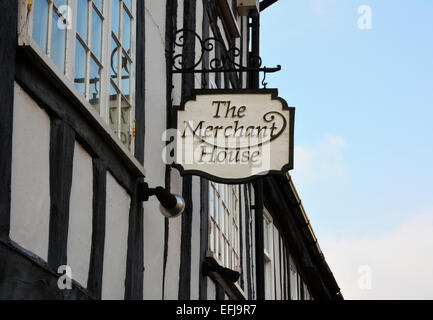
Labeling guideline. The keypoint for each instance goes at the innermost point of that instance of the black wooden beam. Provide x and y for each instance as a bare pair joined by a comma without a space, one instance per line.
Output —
62,143
260,254
266,3
8,42
140,84
135,254
24,276
204,234
189,22
185,244
94,282
248,241
170,27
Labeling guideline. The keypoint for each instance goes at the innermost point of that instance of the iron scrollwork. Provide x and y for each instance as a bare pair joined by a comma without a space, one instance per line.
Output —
226,63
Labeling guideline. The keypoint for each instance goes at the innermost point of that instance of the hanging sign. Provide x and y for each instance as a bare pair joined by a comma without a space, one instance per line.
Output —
234,136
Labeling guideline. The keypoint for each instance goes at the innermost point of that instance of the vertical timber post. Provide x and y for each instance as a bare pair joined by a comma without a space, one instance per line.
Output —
258,186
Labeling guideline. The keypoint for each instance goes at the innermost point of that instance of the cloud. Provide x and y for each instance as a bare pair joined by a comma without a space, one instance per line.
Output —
400,261
320,163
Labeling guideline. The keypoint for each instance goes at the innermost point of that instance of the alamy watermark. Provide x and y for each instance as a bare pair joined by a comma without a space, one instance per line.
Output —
65,19
365,20
65,280
365,277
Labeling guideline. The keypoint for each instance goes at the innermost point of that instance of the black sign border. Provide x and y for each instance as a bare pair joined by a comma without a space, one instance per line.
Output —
274,96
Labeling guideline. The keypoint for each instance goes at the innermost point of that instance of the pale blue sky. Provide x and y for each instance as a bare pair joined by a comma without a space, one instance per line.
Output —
364,109
374,89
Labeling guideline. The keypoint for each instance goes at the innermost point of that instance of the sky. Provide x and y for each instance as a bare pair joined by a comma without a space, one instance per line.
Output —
363,94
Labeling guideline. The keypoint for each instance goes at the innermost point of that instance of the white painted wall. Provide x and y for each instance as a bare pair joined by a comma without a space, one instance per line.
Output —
116,240
195,239
174,241
30,194
155,125
80,215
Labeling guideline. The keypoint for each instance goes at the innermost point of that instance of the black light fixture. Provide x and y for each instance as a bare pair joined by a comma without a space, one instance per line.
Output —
171,205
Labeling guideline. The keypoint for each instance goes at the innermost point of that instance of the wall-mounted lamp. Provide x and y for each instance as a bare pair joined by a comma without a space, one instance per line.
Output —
171,205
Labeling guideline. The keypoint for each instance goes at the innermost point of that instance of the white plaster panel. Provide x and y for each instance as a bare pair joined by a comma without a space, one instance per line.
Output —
195,239
153,221
80,215
30,194
116,240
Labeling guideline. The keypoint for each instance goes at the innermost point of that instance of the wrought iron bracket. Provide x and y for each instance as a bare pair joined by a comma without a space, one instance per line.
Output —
182,63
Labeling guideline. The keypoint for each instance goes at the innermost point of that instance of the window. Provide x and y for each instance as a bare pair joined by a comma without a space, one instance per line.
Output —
96,51
224,224
294,295
121,62
49,29
88,51
268,241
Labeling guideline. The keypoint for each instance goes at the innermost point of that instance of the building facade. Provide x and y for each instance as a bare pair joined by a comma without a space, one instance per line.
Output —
89,88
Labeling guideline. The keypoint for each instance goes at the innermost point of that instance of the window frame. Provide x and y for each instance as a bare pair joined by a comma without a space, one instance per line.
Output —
227,232
25,38
268,250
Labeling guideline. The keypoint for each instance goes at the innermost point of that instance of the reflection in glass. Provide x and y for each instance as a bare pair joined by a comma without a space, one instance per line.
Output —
127,3
115,9
80,68
126,31
114,63
58,42
96,34
40,23
94,84
125,124
114,109
126,66
59,3
98,4
82,19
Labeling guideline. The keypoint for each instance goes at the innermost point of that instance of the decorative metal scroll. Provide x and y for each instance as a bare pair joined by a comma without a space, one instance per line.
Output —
225,63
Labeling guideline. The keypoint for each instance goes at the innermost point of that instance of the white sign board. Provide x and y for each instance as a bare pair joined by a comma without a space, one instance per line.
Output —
234,136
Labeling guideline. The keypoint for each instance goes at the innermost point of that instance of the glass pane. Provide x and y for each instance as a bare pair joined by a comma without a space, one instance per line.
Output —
96,34
40,23
217,242
221,190
59,3
216,209
115,9
125,124
82,19
80,68
94,84
126,66
126,31
127,3
211,200
98,4
114,109
114,63
58,41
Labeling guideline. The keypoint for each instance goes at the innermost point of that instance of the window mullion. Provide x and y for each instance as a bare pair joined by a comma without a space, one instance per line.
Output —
49,29
119,70
105,74
70,40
